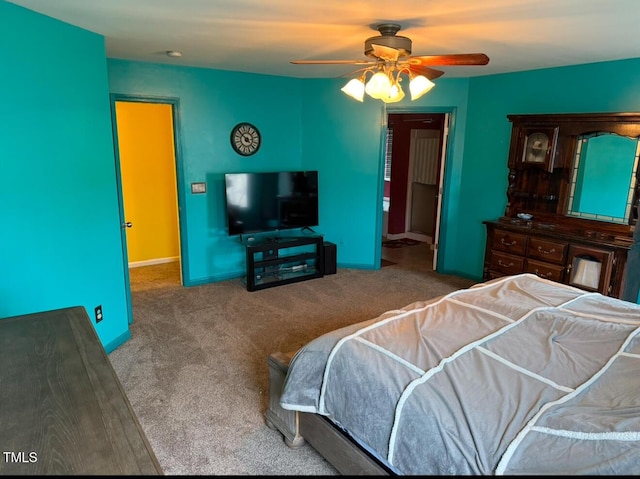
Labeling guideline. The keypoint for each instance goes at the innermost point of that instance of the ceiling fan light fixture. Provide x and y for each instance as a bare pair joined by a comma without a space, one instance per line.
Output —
355,89
419,85
395,94
391,53
378,86
384,86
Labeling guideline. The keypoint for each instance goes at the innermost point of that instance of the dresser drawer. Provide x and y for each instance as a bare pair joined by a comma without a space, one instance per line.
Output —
546,250
494,275
506,263
553,272
511,242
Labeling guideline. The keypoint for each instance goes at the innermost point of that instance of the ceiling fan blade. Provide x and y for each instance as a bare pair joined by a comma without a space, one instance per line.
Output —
430,73
385,53
332,62
450,60
354,72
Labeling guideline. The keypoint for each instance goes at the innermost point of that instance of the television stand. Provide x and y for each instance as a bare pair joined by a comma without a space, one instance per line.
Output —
283,260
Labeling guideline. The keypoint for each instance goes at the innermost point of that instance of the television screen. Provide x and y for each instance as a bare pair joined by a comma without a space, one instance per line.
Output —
260,202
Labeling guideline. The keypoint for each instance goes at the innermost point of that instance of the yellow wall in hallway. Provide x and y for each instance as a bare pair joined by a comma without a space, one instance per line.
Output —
147,164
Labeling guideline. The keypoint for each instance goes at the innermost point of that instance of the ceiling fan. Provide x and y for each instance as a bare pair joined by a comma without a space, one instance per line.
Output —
390,56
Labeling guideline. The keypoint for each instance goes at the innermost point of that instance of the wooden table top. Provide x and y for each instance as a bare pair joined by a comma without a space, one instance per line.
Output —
62,408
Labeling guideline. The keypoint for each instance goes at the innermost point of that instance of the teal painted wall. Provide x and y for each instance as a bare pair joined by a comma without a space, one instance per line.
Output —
305,124
346,138
60,242
211,103
341,137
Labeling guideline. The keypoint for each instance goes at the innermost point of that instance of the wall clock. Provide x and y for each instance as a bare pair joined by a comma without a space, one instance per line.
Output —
245,139
536,148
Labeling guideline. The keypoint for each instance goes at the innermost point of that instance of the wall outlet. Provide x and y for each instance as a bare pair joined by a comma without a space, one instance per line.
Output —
98,311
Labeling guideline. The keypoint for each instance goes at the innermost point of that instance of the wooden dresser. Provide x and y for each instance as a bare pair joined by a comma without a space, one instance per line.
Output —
62,408
573,196
551,252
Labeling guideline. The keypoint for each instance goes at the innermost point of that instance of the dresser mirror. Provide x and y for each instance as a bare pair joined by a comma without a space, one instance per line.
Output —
603,177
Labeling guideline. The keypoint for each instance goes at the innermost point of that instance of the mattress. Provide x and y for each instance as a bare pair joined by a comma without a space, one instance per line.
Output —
519,375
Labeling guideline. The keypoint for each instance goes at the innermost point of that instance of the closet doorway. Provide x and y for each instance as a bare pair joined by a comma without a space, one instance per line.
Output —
147,167
413,189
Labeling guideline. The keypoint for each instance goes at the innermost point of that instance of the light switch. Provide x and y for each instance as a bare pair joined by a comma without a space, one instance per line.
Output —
197,188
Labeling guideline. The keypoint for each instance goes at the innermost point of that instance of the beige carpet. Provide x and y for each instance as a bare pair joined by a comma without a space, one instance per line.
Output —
164,275
195,369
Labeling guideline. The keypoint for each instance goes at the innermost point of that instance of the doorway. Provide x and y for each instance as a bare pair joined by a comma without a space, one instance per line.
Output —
414,173
147,168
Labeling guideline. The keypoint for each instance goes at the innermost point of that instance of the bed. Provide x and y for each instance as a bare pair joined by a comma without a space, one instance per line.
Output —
518,375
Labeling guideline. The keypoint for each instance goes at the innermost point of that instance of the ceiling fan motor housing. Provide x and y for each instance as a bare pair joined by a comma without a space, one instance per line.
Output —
388,38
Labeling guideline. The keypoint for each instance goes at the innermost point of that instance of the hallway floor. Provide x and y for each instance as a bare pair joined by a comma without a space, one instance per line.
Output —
417,256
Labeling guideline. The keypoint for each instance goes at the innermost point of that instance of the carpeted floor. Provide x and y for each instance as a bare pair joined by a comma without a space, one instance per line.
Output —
159,276
195,369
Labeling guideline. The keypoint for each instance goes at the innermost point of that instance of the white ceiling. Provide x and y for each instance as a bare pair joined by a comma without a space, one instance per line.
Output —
263,36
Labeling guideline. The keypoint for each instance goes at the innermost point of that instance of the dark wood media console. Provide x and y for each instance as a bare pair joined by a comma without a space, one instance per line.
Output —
282,260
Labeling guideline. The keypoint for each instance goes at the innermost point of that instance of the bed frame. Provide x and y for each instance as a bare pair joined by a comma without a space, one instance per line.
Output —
331,442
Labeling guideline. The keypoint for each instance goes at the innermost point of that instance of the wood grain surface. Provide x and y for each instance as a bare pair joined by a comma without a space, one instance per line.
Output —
62,407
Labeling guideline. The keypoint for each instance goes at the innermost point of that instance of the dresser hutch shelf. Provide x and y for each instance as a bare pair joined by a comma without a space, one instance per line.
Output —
564,240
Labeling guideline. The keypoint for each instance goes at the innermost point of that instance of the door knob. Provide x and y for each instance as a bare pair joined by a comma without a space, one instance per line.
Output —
128,224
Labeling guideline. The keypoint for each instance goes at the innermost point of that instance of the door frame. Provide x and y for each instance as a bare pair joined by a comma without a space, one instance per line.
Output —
438,213
447,138
175,103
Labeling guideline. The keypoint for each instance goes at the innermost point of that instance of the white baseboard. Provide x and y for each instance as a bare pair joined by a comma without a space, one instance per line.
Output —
395,236
150,262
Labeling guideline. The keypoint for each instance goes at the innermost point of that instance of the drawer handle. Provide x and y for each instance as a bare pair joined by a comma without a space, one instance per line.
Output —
512,243
544,251
505,264
542,275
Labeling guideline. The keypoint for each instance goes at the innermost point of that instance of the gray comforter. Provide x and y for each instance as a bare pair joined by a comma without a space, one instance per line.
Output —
519,375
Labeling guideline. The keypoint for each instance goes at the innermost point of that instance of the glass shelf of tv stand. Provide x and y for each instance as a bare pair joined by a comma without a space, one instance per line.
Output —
283,260
285,275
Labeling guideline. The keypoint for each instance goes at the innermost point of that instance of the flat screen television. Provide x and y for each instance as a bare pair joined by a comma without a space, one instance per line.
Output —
273,201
